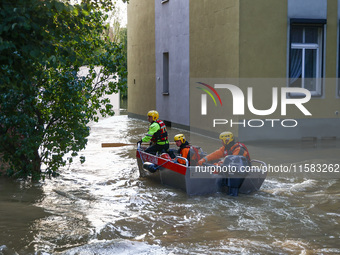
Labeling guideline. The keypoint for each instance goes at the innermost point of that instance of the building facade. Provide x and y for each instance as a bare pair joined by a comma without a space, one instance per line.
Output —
175,46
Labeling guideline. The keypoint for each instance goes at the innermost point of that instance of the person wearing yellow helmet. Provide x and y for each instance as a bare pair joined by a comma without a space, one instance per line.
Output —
226,138
184,148
157,134
229,147
180,139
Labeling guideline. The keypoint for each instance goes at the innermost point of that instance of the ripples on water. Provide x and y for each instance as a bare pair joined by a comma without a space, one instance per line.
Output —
104,207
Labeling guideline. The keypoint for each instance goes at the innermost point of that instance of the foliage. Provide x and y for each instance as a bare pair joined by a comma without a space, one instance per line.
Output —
123,42
45,105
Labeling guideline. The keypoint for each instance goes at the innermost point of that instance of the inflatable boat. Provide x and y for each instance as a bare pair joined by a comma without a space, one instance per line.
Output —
235,175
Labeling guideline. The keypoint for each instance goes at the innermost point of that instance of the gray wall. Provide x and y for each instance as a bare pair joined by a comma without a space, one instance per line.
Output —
172,35
307,9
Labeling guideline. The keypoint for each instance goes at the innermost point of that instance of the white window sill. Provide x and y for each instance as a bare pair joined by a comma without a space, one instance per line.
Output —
313,94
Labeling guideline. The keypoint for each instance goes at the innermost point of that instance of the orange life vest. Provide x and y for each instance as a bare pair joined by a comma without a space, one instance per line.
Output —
243,151
192,153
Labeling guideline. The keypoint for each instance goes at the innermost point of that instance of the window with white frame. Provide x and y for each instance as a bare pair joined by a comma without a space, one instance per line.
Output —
306,56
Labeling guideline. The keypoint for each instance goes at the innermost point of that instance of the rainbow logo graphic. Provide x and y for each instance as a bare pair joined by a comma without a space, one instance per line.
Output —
204,97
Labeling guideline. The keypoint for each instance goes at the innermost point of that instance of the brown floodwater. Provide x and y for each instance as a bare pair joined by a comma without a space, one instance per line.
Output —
104,207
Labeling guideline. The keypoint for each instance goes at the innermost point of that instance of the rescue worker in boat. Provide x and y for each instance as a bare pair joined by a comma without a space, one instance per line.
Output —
230,147
184,148
190,152
157,134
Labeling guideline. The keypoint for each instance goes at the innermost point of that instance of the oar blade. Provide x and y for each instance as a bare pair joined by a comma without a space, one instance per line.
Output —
116,144
125,144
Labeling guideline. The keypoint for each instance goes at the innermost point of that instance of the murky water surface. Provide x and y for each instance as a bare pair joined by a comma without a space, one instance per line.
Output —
104,207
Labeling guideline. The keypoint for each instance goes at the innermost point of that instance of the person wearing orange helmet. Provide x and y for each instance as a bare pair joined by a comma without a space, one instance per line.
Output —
230,147
157,135
184,148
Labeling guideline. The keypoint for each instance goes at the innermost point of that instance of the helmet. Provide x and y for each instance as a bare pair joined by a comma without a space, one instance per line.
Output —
227,137
154,114
179,137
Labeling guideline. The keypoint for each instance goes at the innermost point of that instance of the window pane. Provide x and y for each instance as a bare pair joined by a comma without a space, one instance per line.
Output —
310,84
310,70
311,34
295,71
296,34
295,83
310,63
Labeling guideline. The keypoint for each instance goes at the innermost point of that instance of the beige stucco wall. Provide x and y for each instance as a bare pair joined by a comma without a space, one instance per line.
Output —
141,57
242,39
247,39
324,107
269,19
263,38
331,103
236,39
214,38
214,53
251,43
263,50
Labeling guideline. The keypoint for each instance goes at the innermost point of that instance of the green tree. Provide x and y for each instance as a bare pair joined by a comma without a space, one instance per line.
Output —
123,42
45,105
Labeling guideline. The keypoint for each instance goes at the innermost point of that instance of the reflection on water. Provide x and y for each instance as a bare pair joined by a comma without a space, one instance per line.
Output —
18,214
104,207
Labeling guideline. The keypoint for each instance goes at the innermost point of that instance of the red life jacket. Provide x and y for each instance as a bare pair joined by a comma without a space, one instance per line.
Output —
160,135
196,155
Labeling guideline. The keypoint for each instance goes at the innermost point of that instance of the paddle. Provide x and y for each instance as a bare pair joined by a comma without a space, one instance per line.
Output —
123,144
117,144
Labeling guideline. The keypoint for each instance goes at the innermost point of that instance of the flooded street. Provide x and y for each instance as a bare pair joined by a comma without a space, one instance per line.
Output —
104,207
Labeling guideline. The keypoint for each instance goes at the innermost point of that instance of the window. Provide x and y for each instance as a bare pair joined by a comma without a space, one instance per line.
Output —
166,73
306,56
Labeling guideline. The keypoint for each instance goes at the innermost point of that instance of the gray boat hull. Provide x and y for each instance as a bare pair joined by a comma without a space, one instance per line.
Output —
195,182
